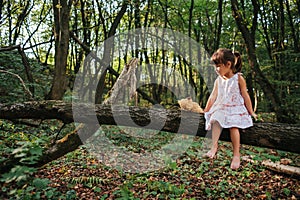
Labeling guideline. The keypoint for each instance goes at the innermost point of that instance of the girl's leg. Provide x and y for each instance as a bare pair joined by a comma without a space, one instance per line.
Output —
216,132
235,139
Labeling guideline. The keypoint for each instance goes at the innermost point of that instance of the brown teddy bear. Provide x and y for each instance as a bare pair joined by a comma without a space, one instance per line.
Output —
188,104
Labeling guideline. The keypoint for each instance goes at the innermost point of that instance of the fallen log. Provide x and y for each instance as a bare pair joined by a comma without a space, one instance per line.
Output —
275,166
271,135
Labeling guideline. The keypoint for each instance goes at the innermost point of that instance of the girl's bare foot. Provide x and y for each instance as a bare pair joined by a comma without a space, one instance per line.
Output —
235,163
211,153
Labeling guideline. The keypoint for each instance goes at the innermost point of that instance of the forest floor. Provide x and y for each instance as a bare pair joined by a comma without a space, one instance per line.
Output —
188,178
80,175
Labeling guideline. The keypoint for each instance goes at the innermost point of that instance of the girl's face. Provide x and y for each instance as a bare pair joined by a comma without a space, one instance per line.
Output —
224,69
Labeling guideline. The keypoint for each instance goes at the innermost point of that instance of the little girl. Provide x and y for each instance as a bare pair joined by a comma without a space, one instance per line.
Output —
229,105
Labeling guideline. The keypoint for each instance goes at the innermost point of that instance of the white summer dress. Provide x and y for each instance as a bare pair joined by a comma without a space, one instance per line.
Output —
229,108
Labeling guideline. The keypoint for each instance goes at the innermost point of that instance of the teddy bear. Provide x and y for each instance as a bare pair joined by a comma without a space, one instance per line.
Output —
189,105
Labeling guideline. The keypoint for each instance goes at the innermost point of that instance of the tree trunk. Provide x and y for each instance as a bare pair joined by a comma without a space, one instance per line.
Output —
295,32
126,78
111,70
26,9
249,37
271,135
61,33
108,48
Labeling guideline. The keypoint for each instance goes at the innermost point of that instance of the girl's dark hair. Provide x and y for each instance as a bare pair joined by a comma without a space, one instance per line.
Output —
222,56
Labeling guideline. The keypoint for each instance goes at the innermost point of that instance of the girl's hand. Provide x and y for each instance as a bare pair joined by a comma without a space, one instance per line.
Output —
254,116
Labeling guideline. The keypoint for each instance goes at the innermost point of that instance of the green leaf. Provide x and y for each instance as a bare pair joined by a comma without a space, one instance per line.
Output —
19,150
18,173
49,194
36,151
71,194
29,160
41,183
104,196
208,191
97,189
20,155
286,191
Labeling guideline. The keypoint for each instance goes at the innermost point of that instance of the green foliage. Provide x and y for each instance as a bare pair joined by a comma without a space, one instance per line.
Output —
137,139
40,183
11,89
283,74
37,189
18,174
124,193
275,42
188,177
27,153
166,189
189,174
21,174
26,145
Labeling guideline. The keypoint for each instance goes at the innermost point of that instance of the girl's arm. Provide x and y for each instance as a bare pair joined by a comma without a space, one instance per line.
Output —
212,98
245,95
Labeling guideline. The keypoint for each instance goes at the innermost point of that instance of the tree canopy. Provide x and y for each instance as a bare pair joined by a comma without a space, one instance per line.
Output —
57,36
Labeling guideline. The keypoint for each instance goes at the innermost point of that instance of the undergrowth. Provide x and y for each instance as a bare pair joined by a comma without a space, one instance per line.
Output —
81,175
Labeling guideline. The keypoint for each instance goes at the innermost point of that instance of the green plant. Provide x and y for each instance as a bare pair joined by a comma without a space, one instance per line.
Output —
88,180
166,188
70,194
18,173
11,89
124,193
286,191
28,154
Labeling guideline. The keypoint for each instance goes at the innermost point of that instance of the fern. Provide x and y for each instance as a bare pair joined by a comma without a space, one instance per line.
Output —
88,180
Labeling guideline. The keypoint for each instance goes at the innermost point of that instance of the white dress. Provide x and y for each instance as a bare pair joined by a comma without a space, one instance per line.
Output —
229,108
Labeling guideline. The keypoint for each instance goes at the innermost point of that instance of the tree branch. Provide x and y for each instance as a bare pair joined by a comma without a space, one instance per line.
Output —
29,94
